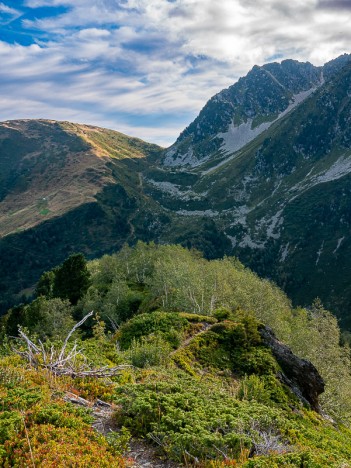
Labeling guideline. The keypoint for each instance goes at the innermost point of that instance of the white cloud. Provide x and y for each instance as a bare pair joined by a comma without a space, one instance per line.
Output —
8,14
8,10
115,60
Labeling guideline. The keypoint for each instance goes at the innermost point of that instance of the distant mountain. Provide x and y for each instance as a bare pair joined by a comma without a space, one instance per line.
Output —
283,198
48,168
235,116
262,173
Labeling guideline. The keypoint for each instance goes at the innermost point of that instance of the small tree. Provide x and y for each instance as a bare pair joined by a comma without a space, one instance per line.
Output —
72,279
45,284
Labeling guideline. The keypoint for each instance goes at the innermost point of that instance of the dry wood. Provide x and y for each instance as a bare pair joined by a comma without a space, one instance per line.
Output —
63,362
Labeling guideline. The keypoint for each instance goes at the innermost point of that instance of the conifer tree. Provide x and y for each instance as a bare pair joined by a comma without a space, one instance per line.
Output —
72,279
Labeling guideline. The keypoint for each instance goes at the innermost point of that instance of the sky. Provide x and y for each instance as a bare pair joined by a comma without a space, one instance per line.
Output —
147,67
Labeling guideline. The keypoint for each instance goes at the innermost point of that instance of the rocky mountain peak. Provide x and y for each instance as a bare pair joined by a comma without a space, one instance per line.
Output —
236,115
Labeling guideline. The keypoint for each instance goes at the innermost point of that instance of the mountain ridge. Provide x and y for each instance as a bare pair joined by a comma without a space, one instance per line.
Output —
258,99
75,153
252,202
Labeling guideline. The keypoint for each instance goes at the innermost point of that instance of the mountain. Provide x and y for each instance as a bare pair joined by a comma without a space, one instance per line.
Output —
235,116
48,168
283,197
64,187
262,173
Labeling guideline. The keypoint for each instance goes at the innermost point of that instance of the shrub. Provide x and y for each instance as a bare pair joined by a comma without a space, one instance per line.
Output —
10,424
149,351
252,388
145,324
196,318
59,446
190,418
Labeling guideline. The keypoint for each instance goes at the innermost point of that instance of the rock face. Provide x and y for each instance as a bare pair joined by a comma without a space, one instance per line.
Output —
298,374
236,115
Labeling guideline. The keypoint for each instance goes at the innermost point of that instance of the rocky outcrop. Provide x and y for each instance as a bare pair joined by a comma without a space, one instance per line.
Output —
298,374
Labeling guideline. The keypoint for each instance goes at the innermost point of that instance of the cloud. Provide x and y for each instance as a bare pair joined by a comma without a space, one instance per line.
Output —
8,14
151,65
335,4
234,31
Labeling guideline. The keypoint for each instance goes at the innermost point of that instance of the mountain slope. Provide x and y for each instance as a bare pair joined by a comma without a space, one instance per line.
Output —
299,204
48,168
235,116
283,199
277,198
64,188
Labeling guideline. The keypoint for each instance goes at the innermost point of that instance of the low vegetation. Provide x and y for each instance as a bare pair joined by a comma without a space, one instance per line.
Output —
189,371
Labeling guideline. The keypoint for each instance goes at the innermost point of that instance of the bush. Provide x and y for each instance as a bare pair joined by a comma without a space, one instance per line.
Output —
252,388
59,446
149,351
10,423
47,318
187,417
145,324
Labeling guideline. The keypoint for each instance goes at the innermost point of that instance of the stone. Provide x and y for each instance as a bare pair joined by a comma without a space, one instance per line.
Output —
300,375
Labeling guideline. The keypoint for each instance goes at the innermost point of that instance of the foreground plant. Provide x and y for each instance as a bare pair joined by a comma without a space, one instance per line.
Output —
61,361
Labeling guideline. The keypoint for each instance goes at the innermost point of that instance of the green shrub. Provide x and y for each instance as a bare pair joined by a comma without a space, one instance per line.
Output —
149,351
196,318
234,346
256,360
190,417
10,423
253,388
61,415
119,441
145,324
48,318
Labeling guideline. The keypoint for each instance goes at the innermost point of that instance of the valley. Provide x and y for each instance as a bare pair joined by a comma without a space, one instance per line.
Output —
262,173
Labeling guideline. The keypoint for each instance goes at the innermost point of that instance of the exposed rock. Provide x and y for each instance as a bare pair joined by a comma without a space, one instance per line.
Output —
298,374
143,455
101,411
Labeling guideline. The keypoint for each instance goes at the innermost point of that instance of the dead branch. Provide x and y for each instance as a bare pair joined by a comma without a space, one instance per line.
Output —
62,362
77,325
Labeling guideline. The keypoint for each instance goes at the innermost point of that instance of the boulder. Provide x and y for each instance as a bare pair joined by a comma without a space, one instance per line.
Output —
300,375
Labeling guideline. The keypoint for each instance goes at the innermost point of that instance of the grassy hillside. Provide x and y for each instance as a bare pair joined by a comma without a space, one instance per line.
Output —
193,379
49,168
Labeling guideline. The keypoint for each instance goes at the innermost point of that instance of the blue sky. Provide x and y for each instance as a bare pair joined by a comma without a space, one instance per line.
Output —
147,67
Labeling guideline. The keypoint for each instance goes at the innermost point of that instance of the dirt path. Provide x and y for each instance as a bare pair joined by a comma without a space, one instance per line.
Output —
205,328
145,456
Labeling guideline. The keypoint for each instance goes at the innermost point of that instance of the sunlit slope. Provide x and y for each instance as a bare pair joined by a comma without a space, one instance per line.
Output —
48,168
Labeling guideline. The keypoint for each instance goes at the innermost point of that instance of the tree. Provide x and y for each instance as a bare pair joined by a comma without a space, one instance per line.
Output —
72,279
45,284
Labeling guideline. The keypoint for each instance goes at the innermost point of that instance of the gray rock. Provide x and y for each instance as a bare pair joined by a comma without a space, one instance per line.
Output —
298,374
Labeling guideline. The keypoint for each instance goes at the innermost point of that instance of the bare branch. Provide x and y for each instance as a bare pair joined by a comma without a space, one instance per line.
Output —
29,342
77,325
61,362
